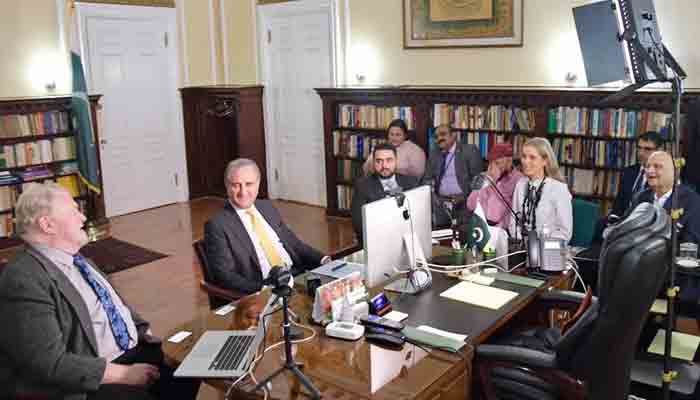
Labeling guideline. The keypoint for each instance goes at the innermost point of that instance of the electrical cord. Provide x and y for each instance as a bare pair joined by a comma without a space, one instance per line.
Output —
574,266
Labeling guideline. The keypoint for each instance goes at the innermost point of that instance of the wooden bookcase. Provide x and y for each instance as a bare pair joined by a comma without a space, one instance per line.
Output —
40,132
540,103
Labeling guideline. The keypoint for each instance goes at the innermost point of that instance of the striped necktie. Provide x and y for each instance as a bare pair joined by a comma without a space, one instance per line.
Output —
116,321
271,253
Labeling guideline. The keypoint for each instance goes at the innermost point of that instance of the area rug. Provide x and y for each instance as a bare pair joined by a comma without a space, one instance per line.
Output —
113,255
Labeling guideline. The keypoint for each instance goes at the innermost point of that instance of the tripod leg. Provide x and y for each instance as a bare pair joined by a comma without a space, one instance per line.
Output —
315,394
265,381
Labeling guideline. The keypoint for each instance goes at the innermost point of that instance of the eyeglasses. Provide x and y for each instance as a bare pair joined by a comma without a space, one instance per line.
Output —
645,148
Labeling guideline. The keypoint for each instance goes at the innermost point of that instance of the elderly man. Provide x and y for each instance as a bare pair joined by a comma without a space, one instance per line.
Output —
502,173
451,168
66,332
383,181
659,177
247,238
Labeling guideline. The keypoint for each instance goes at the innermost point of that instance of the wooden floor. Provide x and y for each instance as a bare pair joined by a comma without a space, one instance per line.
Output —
166,292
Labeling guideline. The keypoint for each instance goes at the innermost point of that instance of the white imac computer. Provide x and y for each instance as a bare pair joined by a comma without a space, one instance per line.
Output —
395,230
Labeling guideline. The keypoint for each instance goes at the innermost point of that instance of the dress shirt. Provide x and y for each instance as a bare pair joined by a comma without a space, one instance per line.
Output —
410,160
107,346
494,208
389,184
553,210
449,185
262,259
661,201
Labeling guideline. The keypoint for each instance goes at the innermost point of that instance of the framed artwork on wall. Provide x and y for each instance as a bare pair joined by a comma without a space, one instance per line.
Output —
462,23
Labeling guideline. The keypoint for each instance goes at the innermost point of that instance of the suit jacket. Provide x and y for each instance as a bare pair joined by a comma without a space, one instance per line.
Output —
47,342
368,189
231,254
689,201
467,164
624,194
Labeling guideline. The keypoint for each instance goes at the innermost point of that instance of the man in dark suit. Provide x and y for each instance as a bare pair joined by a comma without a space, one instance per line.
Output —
247,237
379,184
659,177
451,168
633,179
66,332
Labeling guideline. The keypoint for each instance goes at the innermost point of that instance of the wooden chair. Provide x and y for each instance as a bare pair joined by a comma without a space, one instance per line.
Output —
218,296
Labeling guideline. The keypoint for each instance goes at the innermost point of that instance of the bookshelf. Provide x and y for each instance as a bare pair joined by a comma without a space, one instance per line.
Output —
37,144
570,117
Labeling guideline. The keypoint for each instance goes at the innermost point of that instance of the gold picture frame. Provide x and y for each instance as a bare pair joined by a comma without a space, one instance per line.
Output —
462,23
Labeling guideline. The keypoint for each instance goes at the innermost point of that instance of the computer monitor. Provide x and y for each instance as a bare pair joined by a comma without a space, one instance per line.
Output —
385,222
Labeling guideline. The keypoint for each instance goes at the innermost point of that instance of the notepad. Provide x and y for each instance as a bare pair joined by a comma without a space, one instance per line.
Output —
479,295
426,338
659,307
683,346
518,280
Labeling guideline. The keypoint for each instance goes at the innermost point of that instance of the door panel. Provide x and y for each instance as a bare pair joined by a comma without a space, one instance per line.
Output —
128,62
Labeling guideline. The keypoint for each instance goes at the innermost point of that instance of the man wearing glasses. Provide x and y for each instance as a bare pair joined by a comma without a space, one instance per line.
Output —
633,179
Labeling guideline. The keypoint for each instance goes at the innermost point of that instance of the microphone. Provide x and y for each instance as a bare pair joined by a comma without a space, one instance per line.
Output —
277,277
397,193
482,181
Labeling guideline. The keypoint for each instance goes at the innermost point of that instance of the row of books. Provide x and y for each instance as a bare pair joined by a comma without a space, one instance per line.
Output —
38,152
593,182
598,153
348,170
374,117
494,117
484,141
344,197
8,197
606,122
353,144
34,124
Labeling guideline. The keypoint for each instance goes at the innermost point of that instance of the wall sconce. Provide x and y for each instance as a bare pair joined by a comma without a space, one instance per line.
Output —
360,79
50,86
571,78
365,64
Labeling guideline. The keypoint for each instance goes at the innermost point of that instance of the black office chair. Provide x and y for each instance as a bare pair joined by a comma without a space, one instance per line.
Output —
218,296
592,359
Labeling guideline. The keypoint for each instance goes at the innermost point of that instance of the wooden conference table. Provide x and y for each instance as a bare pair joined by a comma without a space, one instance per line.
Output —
349,370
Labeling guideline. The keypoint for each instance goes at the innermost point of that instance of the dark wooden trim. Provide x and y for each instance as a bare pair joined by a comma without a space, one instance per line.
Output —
212,139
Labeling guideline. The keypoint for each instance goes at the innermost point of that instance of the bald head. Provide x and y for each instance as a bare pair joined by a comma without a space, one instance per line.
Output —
659,172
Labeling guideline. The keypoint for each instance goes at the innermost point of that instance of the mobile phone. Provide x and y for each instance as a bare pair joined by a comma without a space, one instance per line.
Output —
374,320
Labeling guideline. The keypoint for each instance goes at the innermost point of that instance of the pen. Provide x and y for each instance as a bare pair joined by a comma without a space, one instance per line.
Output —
339,266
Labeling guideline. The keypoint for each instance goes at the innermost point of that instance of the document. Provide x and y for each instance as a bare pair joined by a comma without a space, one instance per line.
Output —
479,295
683,346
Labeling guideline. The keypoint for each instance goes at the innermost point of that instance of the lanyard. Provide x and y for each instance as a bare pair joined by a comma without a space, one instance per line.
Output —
530,206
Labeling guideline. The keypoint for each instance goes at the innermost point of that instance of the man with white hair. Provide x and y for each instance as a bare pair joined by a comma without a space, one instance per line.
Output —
66,332
659,176
247,238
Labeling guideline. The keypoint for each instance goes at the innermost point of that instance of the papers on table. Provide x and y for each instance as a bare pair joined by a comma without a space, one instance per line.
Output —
479,295
683,346
339,269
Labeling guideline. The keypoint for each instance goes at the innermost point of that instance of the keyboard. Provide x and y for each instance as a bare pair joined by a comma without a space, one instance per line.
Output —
231,353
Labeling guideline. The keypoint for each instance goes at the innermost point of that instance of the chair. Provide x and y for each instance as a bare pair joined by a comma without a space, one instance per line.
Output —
592,360
586,215
218,296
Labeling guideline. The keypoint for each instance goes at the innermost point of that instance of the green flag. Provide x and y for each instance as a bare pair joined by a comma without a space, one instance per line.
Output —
476,230
86,149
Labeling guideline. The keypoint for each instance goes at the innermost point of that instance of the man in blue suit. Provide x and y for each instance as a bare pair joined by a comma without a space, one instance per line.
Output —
633,179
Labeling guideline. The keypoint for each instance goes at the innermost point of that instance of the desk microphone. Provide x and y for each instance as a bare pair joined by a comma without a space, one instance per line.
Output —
482,181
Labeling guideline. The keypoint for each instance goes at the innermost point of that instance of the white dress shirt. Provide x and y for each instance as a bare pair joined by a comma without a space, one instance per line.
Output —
660,201
107,347
389,184
554,208
262,259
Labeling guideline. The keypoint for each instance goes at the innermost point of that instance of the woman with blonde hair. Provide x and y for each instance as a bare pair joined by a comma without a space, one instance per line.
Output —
542,199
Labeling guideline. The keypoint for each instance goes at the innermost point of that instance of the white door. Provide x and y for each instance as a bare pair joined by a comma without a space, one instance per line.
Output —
297,59
128,62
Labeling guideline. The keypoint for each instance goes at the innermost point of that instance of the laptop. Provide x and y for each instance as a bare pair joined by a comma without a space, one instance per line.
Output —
224,354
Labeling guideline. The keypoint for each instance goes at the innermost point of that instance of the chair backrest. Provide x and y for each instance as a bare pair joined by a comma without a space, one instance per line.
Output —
586,214
200,248
633,263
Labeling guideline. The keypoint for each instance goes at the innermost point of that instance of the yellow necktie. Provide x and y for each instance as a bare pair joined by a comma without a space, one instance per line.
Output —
273,256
